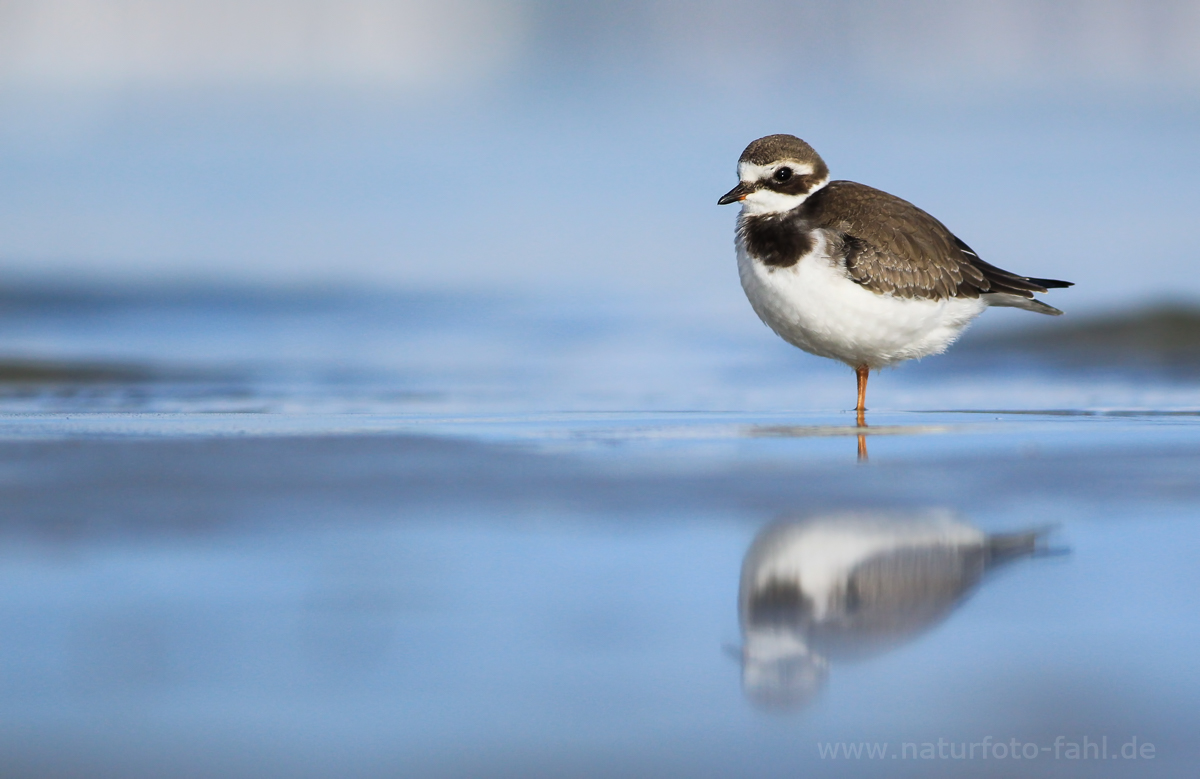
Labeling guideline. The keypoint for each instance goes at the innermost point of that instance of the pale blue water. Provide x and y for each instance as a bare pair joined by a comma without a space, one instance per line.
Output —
427,535
489,518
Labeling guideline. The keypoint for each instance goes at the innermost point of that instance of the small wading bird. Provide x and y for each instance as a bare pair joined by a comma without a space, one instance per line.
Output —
848,272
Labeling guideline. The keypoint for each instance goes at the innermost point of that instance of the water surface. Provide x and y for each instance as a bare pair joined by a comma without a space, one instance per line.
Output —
440,536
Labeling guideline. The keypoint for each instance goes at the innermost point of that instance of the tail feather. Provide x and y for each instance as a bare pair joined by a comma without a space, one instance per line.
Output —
1008,300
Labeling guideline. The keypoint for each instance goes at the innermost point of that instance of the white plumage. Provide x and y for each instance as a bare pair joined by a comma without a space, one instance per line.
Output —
814,305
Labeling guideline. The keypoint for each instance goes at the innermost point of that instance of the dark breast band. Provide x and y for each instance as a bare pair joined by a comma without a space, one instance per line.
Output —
776,240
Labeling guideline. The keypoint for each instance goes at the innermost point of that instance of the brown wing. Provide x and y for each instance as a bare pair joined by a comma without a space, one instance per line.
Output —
891,246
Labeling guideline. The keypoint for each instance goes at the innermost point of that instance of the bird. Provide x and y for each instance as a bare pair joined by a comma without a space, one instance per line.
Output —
849,272
851,585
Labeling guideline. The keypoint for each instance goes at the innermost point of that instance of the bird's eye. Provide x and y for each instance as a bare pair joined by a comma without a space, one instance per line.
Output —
783,174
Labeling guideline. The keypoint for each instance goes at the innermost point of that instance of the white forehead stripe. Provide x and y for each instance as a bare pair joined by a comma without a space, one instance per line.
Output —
749,173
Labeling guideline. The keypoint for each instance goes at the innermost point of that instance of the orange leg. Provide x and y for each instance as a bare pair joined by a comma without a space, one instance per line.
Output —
862,448
863,372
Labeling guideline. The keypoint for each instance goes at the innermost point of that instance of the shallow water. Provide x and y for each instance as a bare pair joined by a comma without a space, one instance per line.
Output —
432,536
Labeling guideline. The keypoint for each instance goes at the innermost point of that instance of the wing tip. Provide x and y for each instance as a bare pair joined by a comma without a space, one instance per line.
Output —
1052,283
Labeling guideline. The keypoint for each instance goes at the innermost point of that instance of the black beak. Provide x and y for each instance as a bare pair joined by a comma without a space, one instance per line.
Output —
734,195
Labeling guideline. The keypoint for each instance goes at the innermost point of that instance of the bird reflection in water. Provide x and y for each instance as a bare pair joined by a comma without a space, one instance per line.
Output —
848,586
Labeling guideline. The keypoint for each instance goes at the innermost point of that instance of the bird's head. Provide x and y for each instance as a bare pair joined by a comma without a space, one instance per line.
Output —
776,174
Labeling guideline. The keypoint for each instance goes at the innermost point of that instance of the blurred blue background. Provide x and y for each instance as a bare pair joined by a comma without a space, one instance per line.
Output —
553,147
378,397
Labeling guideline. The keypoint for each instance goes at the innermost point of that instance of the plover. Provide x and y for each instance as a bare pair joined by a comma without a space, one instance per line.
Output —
849,586
852,273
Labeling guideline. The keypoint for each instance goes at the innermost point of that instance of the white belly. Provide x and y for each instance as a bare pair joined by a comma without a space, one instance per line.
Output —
815,306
